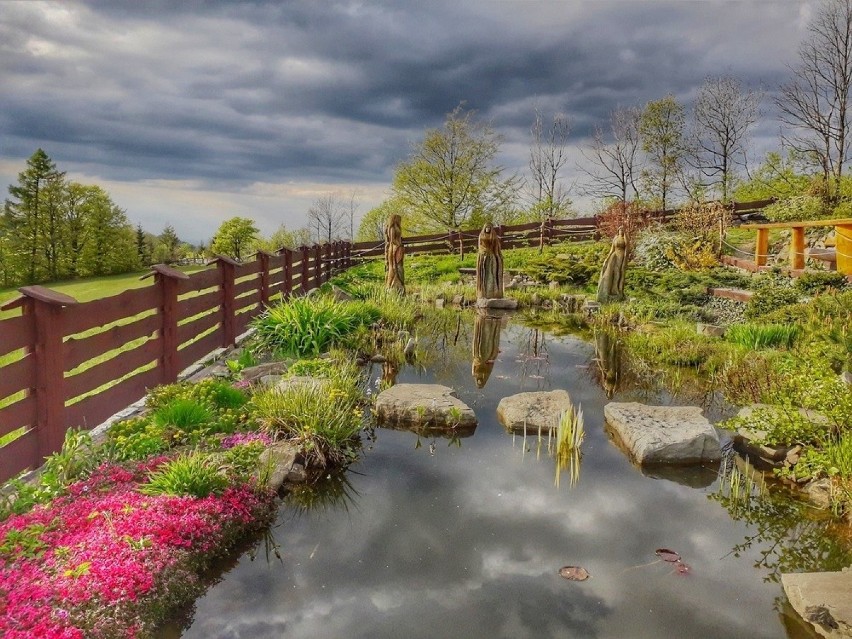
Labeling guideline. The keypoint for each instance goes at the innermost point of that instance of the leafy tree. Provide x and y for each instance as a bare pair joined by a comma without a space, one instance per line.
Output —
25,215
234,237
779,176
723,114
285,238
143,246
451,178
110,244
167,248
815,103
661,133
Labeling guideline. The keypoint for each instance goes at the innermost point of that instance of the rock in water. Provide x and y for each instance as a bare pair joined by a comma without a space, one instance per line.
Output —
431,405
663,434
533,411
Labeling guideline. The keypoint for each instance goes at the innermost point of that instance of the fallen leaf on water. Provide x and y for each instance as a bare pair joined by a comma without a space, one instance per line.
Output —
574,573
667,555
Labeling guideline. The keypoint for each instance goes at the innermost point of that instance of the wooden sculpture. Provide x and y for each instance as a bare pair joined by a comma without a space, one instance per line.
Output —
489,265
611,283
394,255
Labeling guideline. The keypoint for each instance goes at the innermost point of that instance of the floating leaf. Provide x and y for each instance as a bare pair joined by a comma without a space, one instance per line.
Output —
574,573
682,568
667,555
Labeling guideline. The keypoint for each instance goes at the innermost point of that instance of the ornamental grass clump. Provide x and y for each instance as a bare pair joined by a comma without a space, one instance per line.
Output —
322,416
107,561
195,474
309,326
757,336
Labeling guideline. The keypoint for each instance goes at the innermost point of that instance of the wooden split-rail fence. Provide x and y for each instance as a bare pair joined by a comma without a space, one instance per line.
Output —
65,364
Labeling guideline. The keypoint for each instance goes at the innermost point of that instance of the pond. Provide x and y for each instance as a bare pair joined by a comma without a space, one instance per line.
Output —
431,537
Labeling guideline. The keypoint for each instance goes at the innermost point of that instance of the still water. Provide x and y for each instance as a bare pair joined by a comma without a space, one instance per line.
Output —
464,538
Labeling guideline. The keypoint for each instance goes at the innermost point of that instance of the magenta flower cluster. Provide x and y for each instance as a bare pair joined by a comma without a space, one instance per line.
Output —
238,439
107,561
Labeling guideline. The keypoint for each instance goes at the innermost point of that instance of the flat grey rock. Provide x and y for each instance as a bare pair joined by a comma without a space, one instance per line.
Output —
503,302
275,463
823,599
430,405
533,411
663,434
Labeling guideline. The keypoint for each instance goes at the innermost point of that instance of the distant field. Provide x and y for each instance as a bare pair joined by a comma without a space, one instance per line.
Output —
92,288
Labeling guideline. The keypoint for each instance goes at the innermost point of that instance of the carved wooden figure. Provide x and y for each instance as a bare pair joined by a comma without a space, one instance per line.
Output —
611,283
489,265
394,255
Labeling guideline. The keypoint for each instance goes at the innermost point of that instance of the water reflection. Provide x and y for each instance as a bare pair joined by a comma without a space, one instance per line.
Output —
485,346
329,491
608,356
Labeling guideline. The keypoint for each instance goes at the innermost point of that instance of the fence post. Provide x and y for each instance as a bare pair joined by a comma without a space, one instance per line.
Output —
228,268
263,258
317,280
305,250
287,284
44,308
347,251
325,259
168,279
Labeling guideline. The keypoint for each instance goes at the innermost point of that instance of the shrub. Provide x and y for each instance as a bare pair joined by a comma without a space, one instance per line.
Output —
677,344
136,439
757,336
814,282
195,474
184,415
795,209
783,425
769,297
577,265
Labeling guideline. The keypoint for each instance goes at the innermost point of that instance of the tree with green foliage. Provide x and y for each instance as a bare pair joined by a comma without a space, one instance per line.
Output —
372,227
661,131
451,178
779,176
234,237
110,242
167,248
143,248
25,214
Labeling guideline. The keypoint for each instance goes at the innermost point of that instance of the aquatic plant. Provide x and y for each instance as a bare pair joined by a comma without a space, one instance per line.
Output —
569,438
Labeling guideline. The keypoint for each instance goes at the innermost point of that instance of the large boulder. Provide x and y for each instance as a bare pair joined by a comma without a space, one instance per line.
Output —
824,599
663,434
431,405
533,411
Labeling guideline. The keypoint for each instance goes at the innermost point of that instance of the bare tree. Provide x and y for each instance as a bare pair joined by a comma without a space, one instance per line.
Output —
325,217
351,208
615,163
723,114
548,155
815,103
661,133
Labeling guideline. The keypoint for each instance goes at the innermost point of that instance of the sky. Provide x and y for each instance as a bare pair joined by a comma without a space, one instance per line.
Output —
193,112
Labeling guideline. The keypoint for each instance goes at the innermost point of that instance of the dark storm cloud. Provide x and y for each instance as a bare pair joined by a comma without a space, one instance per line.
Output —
269,91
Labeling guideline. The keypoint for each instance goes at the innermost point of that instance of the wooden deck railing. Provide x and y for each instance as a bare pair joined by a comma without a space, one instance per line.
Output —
66,364
71,364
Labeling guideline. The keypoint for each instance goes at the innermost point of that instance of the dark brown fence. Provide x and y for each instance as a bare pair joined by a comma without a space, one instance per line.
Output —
70,364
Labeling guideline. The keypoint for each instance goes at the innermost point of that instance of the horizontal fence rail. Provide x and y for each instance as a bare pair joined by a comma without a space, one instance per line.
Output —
65,364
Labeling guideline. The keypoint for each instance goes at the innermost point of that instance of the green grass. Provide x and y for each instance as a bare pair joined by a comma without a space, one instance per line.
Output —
756,336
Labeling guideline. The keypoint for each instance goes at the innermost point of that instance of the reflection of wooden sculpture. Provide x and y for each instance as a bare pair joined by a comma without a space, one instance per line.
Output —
608,356
394,255
611,283
489,265
486,347
390,370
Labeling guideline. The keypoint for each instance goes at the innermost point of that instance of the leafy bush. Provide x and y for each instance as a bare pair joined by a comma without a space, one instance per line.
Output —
135,439
575,265
195,474
814,282
310,325
184,415
795,209
312,367
652,249
783,425
768,297
756,336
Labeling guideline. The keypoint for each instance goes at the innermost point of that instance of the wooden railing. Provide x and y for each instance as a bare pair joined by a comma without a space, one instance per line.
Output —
71,364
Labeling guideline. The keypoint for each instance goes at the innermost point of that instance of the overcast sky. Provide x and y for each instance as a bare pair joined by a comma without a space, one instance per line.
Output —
192,112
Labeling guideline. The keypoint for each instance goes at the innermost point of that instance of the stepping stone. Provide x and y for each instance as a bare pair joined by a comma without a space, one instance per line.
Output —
663,434
533,411
431,405
823,599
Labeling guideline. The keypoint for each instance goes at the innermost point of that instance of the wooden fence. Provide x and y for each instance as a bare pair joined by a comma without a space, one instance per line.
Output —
65,364
63,358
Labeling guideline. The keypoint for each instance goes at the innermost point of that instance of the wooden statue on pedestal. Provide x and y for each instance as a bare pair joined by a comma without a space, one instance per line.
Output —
489,265
611,283
394,255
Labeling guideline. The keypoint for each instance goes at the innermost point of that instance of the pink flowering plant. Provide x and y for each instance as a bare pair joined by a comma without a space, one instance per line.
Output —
105,560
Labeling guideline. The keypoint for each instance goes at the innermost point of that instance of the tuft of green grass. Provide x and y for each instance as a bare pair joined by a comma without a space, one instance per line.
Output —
756,336
184,415
569,438
195,474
